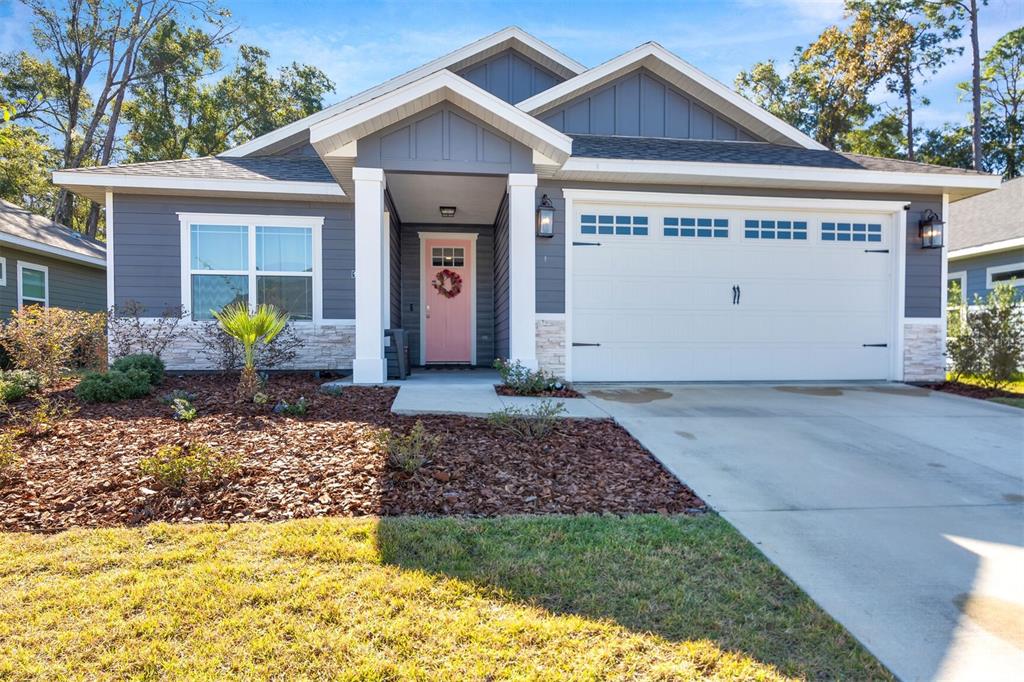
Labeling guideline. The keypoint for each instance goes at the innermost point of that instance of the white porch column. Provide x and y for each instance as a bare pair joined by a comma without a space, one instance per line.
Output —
522,269
371,291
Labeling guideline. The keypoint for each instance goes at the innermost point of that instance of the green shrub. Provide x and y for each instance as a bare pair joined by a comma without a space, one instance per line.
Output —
296,409
38,421
183,410
177,394
531,423
150,364
989,343
52,340
113,386
175,466
9,455
411,451
18,383
523,380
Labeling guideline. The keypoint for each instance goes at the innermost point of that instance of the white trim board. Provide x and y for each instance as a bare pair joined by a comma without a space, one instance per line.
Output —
49,250
994,247
512,36
3,271
683,75
108,220
727,200
996,269
74,180
462,236
315,223
22,265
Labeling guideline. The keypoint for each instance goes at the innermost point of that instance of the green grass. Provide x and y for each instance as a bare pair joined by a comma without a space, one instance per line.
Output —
587,598
1013,402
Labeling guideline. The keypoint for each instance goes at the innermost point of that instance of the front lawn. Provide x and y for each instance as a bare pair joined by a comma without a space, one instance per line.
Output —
1011,393
542,597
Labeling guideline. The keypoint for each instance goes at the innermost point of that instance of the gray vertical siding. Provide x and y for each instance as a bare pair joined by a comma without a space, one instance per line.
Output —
444,138
501,328
510,76
642,104
74,286
976,266
411,268
147,248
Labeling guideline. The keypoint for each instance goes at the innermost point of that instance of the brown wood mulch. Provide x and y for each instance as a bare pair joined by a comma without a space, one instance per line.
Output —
972,391
564,392
85,472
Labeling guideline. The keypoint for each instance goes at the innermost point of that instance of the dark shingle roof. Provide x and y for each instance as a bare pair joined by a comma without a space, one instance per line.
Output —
721,151
300,169
988,218
23,224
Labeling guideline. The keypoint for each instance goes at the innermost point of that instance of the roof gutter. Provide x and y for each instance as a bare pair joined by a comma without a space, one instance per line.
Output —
50,250
993,247
114,181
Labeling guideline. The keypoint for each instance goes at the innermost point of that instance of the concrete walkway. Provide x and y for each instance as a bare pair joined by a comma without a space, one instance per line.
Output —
899,510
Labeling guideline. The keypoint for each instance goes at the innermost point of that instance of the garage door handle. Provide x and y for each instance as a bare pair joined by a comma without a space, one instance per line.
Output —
876,250
577,345
586,243
875,345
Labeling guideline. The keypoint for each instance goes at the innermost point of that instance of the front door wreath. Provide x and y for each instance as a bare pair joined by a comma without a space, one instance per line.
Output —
454,286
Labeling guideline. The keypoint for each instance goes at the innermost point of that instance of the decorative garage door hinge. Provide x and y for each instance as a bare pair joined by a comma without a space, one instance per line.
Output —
576,344
586,243
875,345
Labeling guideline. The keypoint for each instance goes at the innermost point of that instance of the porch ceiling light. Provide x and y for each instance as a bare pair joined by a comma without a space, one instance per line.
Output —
447,211
931,229
545,218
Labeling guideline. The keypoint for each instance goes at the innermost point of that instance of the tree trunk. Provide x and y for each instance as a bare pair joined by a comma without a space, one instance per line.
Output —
975,87
908,89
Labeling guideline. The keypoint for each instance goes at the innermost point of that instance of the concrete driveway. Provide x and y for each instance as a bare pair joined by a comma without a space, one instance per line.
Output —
899,510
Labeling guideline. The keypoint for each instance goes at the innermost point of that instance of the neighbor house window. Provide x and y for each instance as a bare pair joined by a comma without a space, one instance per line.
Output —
252,259
33,285
3,272
1001,274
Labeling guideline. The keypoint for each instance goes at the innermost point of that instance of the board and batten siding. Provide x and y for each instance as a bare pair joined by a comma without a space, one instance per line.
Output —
411,283
642,104
923,297
74,286
147,247
510,76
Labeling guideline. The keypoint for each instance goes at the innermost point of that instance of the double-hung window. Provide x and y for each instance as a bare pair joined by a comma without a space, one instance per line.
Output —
251,259
33,285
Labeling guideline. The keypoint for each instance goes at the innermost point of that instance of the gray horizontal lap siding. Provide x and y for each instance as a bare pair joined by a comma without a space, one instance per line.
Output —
975,268
501,323
411,282
642,104
395,262
147,247
924,284
70,285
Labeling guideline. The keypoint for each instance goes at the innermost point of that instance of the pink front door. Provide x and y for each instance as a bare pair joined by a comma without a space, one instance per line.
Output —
448,311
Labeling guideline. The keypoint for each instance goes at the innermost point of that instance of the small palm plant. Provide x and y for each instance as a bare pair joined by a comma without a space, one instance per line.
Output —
251,329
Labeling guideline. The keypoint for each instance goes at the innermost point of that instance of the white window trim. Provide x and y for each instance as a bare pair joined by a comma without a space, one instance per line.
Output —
3,271
996,269
24,265
960,276
315,223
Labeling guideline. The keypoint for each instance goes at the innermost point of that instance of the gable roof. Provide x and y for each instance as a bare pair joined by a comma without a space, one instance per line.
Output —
23,229
512,37
682,75
989,222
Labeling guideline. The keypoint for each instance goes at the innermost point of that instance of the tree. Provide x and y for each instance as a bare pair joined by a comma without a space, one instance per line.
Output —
179,114
884,137
26,158
254,330
947,146
922,46
95,47
1002,90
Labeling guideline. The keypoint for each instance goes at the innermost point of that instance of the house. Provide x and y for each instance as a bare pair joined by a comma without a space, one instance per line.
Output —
633,221
986,245
46,263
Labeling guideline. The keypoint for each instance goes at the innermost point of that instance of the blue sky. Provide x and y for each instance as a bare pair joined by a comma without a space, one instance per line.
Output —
359,44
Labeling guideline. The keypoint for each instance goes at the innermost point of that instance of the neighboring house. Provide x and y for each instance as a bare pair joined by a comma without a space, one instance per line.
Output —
986,240
45,263
693,235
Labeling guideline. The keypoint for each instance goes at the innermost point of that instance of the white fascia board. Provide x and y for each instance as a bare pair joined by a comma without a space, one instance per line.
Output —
442,85
463,54
726,200
114,181
50,250
796,174
994,247
634,58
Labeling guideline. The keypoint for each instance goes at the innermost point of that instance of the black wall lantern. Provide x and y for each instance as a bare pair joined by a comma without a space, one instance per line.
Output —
545,218
930,229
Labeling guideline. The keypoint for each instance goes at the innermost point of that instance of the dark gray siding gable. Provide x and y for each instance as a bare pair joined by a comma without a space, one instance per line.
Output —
447,139
71,285
147,247
640,104
510,76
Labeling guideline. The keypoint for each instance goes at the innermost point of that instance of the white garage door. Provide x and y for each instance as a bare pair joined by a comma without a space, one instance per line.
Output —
709,294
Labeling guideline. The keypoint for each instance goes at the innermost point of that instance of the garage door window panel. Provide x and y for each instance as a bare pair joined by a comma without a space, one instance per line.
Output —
851,232
715,228
783,230
618,225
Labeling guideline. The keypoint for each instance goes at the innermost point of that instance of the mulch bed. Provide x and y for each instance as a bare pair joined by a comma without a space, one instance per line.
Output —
972,391
553,393
84,473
